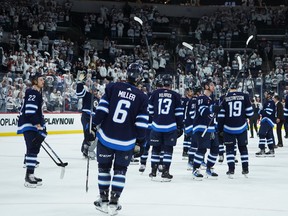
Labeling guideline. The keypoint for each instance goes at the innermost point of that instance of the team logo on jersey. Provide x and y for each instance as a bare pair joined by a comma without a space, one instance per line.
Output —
95,103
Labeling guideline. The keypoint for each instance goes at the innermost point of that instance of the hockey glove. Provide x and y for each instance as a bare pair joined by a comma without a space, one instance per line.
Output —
179,132
139,148
90,135
81,77
40,137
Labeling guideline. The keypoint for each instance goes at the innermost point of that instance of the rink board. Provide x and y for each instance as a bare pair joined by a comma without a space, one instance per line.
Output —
56,123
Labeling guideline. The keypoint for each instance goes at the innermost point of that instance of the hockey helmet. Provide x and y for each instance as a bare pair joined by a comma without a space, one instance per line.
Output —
167,80
134,72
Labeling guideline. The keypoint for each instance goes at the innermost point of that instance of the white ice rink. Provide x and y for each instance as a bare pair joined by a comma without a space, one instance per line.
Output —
264,193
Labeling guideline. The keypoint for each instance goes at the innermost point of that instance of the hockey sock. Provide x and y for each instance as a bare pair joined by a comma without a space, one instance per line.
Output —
244,156
30,161
104,179
118,181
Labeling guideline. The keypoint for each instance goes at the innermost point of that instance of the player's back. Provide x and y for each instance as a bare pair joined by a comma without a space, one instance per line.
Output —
122,112
236,109
166,110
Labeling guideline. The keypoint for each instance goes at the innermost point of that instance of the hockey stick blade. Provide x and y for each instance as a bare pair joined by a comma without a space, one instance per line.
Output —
62,164
62,172
249,39
187,45
137,19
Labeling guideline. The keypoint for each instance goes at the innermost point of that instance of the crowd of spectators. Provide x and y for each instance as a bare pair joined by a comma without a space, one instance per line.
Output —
37,47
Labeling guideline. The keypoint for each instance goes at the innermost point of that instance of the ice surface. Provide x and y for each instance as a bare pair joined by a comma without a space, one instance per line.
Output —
264,193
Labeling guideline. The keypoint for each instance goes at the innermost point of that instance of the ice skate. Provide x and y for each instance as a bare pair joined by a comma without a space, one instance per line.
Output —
270,153
261,153
230,174
245,173
114,206
211,174
31,181
142,168
166,176
197,175
101,204
153,173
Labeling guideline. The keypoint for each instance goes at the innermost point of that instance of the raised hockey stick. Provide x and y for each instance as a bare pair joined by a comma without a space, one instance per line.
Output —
190,47
187,45
249,39
246,59
137,19
60,163
214,115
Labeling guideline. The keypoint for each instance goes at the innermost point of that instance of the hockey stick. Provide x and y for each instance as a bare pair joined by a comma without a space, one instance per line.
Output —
137,19
249,39
61,164
214,115
246,59
187,45
90,131
87,174
247,63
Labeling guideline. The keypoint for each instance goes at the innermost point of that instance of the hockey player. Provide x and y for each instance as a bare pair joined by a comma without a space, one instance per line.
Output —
232,126
144,157
190,116
166,112
32,125
88,144
220,138
187,138
123,119
205,109
266,126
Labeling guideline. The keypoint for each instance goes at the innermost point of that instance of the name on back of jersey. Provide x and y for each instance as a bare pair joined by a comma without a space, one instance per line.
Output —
127,95
165,94
234,97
